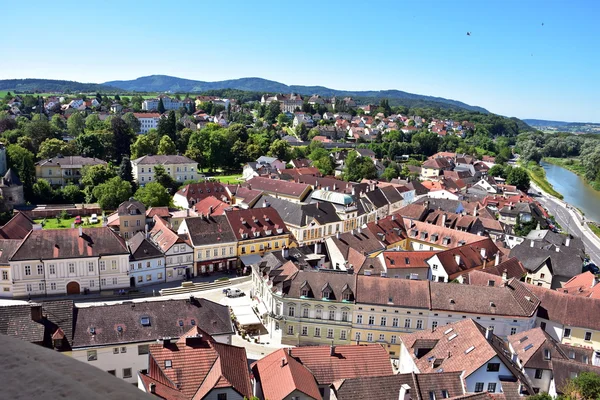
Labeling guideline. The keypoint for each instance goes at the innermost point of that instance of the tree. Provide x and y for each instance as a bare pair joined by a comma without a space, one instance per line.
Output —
161,106
134,124
283,120
161,176
153,194
585,386
272,112
112,193
43,192
76,124
518,177
38,131
123,137
540,396
93,123
498,171
58,123
280,149
53,147
94,175
390,173
168,126
21,160
166,146
72,194
302,132
359,168
143,145
95,144
125,170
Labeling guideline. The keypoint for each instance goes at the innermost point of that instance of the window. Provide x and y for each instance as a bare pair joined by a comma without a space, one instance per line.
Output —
148,277
382,337
345,316
140,278
434,325
492,387
113,264
92,355
419,324
407,323
383,321
40,269
52,269
159,275
28,270
445,394
547,354
116,350
395,322
513,330
4,275
53,286
588,336
329,333
71,268
290,329
371,320
41,286
567,332
103,282
115,281
369,337
493,367
305,312
319,313
29,287
304,331
143,349
359,319
168,364
222,396
215,252
127,222
331,315
479,387
539,373
357,336
92,283
317,331
91,266
393,339
102,265
431,395
113,372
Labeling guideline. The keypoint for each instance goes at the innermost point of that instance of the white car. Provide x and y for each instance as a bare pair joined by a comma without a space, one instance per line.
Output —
94,219
233,293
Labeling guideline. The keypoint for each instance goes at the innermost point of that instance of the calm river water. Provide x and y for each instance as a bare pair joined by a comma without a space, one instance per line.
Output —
574,189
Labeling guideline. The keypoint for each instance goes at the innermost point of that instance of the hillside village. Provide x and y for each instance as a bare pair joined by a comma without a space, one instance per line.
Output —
291,247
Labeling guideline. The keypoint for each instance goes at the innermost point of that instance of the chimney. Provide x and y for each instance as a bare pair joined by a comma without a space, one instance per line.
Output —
80,231
393,217
283,362
337,235
187,212
444,220
457,259
504,276
497,261
285,253
404,390
475,211
568,241
331,350
483,252
152,387
318,248
36,312
557,248
531,244
210,210
359,230
488,334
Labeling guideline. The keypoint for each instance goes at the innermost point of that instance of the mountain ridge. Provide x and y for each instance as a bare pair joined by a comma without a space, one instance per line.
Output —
165,83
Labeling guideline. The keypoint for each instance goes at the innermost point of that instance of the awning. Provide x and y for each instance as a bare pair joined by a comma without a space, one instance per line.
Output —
250,259
245,315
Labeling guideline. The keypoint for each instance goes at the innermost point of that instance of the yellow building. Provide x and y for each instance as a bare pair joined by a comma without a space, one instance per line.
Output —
258,230
129,219
64,170
180,168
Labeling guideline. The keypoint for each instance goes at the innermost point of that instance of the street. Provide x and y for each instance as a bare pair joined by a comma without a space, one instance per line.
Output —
570,222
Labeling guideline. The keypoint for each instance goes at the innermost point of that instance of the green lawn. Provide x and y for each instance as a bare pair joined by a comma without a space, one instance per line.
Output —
52,223
594,228
538,176
230,179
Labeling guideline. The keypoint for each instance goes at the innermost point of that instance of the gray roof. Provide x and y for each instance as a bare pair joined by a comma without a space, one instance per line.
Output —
142,248
163,159
566,262
211,229
70,161
300,214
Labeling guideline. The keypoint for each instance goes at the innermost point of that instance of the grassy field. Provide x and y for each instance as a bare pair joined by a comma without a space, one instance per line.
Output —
572,164
594,228
538,176
52,223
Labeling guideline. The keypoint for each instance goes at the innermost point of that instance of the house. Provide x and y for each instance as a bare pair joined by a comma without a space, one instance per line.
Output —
62,170
316,99
179,167
116,108
467,347
196,366
258,230
146,262
301,163
272,161
116,338
584,284
361,240
303,118
433,168
535,352
424,236
214,243
308,372
129,218
177,248
290,191
511,212
67,261
390,231
193,193
211,206
11,189
147,121
407,264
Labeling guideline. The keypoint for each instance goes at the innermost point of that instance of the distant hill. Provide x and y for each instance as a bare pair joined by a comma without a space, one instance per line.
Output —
542,122
164,83
54,86
562,126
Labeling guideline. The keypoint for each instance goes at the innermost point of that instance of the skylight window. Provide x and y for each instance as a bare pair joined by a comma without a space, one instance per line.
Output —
193,322
524,338
470,349
93,330
120,329
145,321
447,331
529,346
452,336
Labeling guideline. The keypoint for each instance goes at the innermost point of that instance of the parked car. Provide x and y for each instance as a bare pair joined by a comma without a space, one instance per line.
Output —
78,220
94,219
232,293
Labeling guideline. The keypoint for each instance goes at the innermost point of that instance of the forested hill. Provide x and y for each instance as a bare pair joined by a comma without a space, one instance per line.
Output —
163,83
54,86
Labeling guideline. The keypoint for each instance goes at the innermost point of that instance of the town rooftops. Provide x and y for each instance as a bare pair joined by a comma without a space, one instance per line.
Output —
163,160
584,284
438,235
279,187
473,255
17,228
162,235
131,207
535,348
362,240
142,248
146,115
256,223
393,292
70,162
407,259
53,244
211,206
148,321
213,229
389,230
202,190
332,197
437,163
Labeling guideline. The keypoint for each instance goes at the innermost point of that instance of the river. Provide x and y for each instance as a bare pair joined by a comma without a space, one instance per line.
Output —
574,189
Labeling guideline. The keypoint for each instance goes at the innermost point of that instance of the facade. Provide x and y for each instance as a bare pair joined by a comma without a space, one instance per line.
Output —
146,262
193,193
290,191
129,218
179,254
60,171
67,261
147,121
11,189
168,103
116,338
258,231
179,167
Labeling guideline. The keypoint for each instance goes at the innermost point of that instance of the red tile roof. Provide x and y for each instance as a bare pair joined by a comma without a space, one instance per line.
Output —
278,187
477,255
162,212
407,259
211,206
392,291
389,230
583,284
199,191
256,222
162,235
17,228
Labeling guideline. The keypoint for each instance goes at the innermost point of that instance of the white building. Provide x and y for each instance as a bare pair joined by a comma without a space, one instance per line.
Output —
146,263
147,121
179,254
179,167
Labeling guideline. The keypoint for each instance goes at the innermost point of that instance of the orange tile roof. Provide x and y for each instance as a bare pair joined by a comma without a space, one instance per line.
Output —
211,206
407,259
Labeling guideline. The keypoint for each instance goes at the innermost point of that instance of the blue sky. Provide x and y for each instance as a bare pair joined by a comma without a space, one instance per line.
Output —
511,64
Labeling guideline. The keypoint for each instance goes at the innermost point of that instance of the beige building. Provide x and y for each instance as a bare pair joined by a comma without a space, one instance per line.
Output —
60,171
129,218
179,167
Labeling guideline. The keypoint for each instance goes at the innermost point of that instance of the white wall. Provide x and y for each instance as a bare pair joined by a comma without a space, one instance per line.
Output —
542,384
482,375
140,268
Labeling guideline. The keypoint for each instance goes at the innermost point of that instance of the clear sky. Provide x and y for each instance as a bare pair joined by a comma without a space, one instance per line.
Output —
524,58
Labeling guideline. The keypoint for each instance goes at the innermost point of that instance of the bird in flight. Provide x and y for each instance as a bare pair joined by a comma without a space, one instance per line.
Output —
542,24
468,33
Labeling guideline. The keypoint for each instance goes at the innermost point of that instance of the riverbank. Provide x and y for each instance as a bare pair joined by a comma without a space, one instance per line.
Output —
575,166
538,176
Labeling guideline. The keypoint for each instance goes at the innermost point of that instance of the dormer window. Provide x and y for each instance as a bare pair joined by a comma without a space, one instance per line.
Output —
346,296
305,292
547,354
326,293
168,364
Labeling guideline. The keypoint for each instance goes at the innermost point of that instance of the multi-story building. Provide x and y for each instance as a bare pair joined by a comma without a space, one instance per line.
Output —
116,338
290,191
213,241
62,170
179,167
258,230
129,218
168,102
146,262
147,121
429,237
68,261
179,254
193,193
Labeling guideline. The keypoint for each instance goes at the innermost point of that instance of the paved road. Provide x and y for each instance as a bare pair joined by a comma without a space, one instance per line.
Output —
570,221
